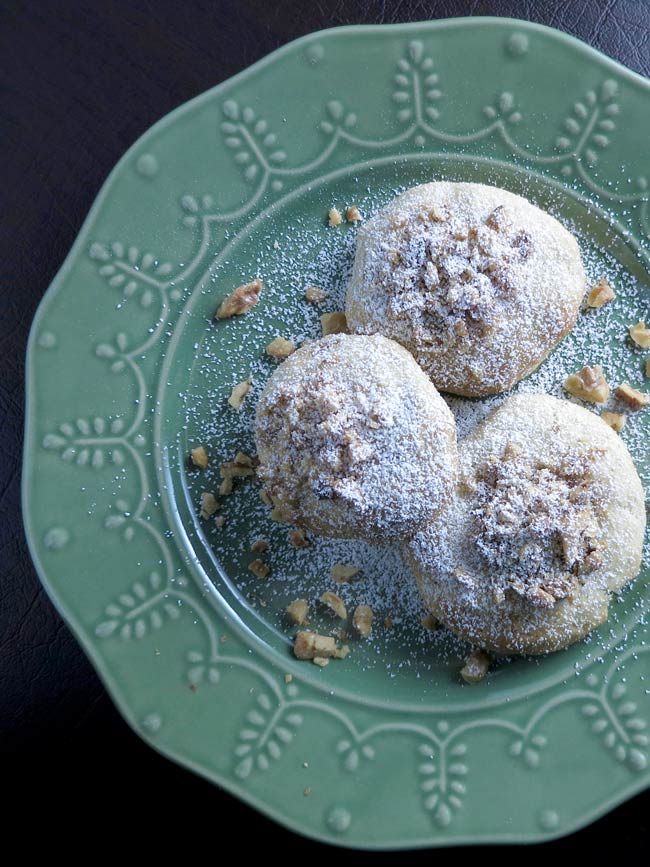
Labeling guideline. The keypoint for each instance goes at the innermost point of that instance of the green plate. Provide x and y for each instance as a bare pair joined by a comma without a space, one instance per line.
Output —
126,372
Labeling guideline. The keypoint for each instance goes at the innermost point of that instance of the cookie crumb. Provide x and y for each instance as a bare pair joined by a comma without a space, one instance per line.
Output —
632,396
280,348
259,568
238,393
616,420
240,301
601,293
333,323
476,667
259,546
298,612
334,217
352,214
362,620
200,457
335,604
342,573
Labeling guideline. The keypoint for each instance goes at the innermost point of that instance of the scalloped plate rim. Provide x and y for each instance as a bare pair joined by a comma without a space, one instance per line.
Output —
89,648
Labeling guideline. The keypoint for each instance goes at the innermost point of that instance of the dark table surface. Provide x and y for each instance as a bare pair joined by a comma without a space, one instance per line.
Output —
79,82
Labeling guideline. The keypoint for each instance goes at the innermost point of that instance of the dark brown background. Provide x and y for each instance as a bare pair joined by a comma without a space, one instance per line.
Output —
79,82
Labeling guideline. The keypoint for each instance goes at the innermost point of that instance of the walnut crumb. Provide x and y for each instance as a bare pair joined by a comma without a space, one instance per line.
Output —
601,293
333,323
298,612
476,666
288,678
240,301
632,396
225,488
309,645
321,661
280,348
259,546
242,465
362,620
588,384
238,393
259,568
281,513
219,521
640,334
342,652
334,217
298,539
616,420
200,457
209,505
342,572
265,497
335,604
429,622
352,214
315,295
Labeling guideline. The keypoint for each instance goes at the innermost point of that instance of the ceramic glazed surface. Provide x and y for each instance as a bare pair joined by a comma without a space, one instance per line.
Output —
543,746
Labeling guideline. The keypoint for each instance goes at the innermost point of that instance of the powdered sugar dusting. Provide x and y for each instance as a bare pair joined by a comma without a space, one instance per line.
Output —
295,251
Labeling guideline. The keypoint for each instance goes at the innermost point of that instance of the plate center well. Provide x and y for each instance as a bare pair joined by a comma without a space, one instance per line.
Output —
290,247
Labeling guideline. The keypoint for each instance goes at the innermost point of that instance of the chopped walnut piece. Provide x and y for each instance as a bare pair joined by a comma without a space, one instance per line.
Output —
238,393
309,645
476,666
334,217
321,661
219,521
333,323
282,514
242,465
342,572
352,214
259,546
298,539
280,348
240,301
616,420
259,568
342,652
640,334
335,604
199,457
362,620
636,399
298,612
429,622
225,487
588,384
209,505
497,219
315,295
265,497
647,367
601,293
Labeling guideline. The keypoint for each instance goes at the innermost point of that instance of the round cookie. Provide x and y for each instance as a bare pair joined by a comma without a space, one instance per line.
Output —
476,282
354,440
548,522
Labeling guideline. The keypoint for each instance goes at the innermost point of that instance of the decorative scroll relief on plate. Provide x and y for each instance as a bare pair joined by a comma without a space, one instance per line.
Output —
441,751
